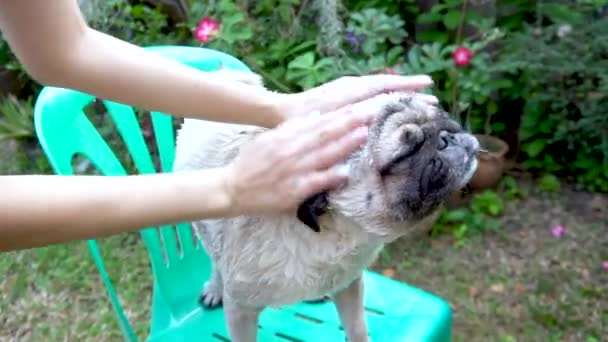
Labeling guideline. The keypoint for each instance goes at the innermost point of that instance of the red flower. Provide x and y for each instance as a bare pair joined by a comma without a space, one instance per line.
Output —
462,56
206,29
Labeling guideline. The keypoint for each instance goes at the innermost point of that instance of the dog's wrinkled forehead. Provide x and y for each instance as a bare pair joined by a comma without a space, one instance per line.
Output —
404,123
405,119
406,109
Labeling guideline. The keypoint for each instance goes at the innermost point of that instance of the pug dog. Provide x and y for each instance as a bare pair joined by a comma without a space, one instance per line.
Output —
414,158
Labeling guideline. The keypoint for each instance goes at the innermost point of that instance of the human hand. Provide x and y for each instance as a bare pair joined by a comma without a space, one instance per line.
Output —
282,167
349,90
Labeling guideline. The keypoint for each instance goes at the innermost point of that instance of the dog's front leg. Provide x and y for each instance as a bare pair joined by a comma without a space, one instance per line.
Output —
242,321
349,303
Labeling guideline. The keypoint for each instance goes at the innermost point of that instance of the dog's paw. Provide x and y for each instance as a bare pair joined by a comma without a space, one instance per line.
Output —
211,297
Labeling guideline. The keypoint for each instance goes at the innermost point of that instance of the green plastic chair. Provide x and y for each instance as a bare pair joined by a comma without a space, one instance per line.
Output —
395,311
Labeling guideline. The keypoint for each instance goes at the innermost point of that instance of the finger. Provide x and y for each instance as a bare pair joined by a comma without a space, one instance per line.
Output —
335,152
386,83
349,90
320,181
368,86
331,127
430,99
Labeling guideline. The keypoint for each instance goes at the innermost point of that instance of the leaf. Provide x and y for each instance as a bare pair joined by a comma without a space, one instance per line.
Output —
436,9
428,18
433,36
325,63
560,14
456,215
452,19
244,33
308,44
303,61
394,56
534,148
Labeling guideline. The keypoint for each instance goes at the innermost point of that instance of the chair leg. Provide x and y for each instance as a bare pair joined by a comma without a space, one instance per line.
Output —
349,303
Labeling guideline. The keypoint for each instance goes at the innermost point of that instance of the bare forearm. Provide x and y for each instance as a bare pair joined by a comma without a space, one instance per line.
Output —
117,70
54,43
38,210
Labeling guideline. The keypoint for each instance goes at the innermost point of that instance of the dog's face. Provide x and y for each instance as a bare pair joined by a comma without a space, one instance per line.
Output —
415,157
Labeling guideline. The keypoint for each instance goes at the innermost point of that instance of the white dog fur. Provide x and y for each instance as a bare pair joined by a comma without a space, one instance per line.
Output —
278,260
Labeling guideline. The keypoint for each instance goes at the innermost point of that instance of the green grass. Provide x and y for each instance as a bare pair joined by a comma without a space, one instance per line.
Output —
54,293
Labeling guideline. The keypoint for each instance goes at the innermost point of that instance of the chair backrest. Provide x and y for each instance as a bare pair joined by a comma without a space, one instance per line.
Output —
64,131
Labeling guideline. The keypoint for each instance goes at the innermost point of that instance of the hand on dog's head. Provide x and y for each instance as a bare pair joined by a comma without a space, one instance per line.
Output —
415,157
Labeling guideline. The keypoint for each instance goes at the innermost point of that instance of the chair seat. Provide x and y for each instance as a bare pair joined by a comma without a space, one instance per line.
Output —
394,312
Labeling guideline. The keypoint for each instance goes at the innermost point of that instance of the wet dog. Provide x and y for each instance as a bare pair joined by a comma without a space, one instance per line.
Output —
414,158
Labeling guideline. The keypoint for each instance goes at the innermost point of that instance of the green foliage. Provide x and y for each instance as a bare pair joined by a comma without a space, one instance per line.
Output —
478,216
16,118
448,18
235,30
378,29
464,91
549,183
564,128
289,57
132,21
511,190
374,39
404,8
307,71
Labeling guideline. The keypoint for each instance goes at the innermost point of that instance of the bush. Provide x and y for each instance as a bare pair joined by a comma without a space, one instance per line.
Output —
563,81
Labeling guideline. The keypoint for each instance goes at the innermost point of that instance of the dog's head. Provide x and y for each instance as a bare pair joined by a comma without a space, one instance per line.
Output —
414,158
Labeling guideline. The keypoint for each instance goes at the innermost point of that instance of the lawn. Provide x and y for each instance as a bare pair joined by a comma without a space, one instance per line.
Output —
518,283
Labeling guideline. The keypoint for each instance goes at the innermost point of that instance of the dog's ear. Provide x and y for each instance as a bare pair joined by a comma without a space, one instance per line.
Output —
311,209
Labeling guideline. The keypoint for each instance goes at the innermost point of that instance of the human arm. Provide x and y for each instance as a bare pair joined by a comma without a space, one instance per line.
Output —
57,47
38,210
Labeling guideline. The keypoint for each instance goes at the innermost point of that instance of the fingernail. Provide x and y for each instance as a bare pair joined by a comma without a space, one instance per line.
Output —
343,170
423,79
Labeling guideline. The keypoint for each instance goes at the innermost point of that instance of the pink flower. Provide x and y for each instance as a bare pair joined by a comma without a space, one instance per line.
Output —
206,29
605,265
557,231
462,56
